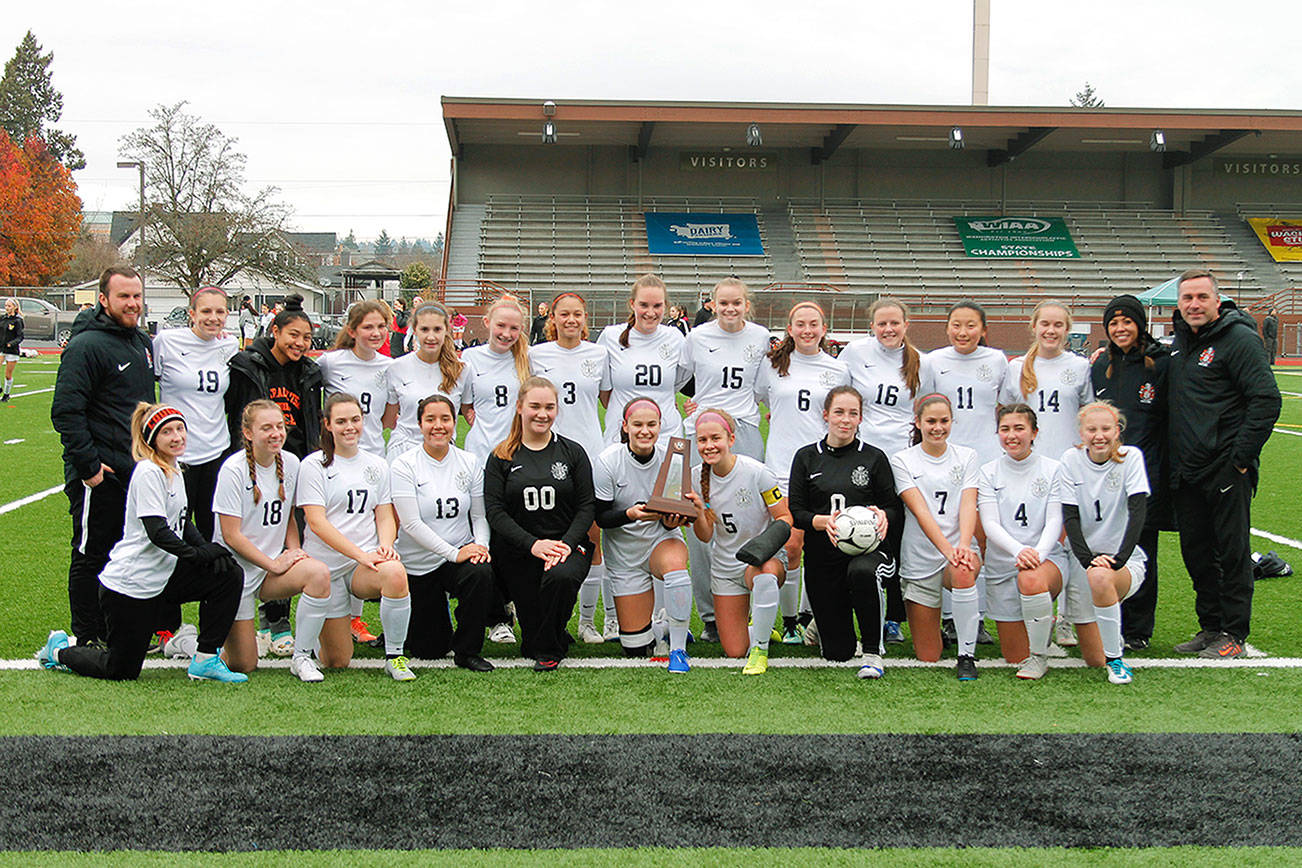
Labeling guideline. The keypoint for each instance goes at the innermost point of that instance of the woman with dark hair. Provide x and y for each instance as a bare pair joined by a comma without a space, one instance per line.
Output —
398,330
1132,374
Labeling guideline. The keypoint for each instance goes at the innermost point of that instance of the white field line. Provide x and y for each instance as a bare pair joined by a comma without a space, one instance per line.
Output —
31,498
1291,394
1287,431
1274,537
33,392
774,663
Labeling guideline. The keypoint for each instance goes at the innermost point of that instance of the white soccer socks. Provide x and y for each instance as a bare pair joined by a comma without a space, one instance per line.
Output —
678,607
1109,620
588,592
790,593
763,609
308,619
395,615
1037,612
967,619
355,605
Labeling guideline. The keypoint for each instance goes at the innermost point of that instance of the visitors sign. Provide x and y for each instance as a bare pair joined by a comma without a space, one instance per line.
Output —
1016,237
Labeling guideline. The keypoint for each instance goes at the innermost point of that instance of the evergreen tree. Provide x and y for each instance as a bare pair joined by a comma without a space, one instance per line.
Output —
29,103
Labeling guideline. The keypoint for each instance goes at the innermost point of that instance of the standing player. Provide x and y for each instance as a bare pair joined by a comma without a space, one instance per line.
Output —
161,561
643,357
344,494
11,342
642,546
538,496
254,503
937,480
435,368
438,491
794,385
578,368
739,499
1021,510
1105,497
840,471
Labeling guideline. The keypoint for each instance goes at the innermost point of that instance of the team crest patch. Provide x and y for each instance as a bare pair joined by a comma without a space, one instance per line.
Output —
859,476
1068,378
985,373
667,352
752,353
956,474
591,369
372,475
463,481
743,497
1147,393
560,470
1206,356
381,379
1113,482
1040,486
827,378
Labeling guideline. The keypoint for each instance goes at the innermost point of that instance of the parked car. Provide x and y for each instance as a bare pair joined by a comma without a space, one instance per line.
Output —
325,328
43,321
177,317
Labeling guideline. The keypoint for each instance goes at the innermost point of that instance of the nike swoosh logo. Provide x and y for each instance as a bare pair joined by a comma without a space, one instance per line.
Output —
331,475
1226,488
517,467
248,488
1100,391
124,366
185,352
712,349
421,484
815,475
944,372
542,368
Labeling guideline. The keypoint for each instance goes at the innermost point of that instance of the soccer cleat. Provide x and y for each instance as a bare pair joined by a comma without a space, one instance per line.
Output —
546,665
611,631
1200,640
983,635
183,643
263,639
159,642
660,650
398,669
1136,644
775,635
1119,672
894,633
473,662
811,634
757,663
306,669
1064,632
501,633
1033,667
282,644
872,666
588,634
678,661
214,669
794,636
361,630
1055,650
48,653
948,633
709,632
967,670
1225,647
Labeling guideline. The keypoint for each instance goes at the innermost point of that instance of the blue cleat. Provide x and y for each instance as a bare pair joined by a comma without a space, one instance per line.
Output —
214,669
678,661
894,634
47,655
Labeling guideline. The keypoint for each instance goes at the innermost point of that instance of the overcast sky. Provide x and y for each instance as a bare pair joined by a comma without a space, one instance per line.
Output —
337,104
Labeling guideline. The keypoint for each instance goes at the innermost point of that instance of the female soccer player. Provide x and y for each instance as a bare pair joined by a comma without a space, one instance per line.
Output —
11,341
161,561
192,367
1021,511
580,371
794,385
937,480
344,493
435,368
494,372
642,546
538,496
739,499
254,503
357,367
438,491
971,375
1055,383
1105,499
839,471
643,357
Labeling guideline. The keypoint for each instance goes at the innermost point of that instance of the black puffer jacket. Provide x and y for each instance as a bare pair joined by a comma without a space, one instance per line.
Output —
105,371
11,333
251,376
1224,401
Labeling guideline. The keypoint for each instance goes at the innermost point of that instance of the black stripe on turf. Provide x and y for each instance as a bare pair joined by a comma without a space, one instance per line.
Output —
228,793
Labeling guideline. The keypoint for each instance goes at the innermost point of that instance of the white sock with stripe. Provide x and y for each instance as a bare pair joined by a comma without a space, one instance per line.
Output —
967,619
1109,620
308,619
1037,613
678,606
395,616
763,609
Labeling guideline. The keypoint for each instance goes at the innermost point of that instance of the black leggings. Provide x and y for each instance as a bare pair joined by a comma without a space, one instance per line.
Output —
131,621
544,599
844,588
430,635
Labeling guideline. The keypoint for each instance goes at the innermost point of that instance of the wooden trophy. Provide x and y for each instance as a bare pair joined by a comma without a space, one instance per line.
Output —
674,479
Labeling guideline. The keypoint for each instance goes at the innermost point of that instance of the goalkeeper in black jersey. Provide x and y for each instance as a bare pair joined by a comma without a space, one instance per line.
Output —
837,472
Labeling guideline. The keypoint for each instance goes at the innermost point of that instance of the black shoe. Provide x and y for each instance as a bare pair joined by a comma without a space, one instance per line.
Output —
473,662
967,670
4,397
710,632
377,642
1136,644
983,636
948,633
1200,640
546,665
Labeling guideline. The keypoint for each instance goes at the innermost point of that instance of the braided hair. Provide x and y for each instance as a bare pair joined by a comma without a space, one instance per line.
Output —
252,409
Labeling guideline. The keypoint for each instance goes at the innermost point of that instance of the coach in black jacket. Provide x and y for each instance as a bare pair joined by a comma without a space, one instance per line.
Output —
106,369
1224,403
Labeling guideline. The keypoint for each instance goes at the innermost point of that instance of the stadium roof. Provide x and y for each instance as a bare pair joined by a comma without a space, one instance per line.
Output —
1003,131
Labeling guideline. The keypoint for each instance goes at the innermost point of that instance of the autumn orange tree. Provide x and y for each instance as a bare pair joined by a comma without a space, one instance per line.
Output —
40,213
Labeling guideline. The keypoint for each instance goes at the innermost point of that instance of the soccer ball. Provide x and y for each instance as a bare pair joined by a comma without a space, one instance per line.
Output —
856,530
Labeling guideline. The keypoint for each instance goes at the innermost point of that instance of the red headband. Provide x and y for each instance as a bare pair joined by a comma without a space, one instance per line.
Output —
628,408
711,413
926,399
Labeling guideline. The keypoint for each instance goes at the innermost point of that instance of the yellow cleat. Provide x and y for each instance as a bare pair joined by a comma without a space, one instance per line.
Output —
757,663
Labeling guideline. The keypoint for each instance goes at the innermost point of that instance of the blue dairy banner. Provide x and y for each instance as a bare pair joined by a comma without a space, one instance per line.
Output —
702,234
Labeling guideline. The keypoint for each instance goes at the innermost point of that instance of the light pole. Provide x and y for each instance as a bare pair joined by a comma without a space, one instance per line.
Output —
140,215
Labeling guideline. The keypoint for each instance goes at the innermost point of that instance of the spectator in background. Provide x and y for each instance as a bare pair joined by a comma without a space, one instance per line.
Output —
1270,334
264,320
1223,405
678,319
398,331
705,313
250,324
538,331
11,336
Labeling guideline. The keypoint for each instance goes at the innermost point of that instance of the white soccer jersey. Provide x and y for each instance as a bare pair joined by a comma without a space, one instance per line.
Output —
1063,386
887,401
795,405
726,367
646,368
741,501
1025,493
193,374
623,480
444,491
491,385
137,568
972,383
367,381
263,523
410,381
349,489
941,482
579,375
1100,492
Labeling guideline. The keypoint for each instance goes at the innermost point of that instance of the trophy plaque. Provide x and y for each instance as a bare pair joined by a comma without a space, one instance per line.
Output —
674,479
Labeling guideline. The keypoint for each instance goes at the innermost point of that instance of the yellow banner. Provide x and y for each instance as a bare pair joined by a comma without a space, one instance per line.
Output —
1281,238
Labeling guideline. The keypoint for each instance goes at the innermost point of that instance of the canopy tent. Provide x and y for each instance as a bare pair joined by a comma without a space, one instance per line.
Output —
1162,295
